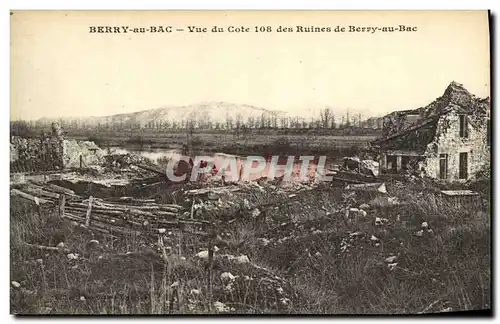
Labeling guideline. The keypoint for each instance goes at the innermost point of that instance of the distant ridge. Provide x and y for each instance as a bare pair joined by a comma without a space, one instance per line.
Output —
204,111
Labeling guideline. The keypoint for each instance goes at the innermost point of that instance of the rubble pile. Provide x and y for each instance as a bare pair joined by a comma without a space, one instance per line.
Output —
112,170
366,167
120,161
247,200
76,153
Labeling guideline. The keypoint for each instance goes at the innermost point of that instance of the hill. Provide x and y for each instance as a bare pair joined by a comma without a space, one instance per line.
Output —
206,112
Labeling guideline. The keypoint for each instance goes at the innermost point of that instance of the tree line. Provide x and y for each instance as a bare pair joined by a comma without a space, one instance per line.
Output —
326,119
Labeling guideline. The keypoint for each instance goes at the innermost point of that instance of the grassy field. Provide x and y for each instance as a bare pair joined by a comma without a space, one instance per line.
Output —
310,256
249,143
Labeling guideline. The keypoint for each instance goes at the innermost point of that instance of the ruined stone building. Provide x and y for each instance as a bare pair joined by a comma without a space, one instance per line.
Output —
50,152
448,140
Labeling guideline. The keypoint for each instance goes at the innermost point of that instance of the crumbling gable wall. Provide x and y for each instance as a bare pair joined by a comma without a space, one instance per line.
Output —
397,122
448,141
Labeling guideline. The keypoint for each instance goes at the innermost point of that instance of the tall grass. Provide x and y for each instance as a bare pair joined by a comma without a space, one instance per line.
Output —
327,258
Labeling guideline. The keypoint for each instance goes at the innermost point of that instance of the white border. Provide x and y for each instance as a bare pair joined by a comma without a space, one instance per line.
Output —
255,4
191,4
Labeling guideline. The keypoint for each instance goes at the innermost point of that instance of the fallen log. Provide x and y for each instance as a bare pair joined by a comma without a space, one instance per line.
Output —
129,223
130,199
100,204
192,221
149,206
53,187
60,189
215,190
96,215
40,192
167,214
142,208
172,206
99,207
100,225
32,198
95,210
124,215
170,209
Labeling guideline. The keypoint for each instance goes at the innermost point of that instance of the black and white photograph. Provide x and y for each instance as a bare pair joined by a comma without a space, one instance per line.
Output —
247,162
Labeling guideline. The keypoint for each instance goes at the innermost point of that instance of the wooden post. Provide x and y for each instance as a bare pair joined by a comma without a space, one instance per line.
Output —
212,236
192,209
399,159
62,203
210,260
89,210
81,161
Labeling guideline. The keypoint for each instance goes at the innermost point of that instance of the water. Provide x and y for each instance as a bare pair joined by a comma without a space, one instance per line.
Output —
152,154
226,161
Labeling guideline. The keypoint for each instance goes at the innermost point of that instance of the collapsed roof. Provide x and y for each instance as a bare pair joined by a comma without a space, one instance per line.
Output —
414,129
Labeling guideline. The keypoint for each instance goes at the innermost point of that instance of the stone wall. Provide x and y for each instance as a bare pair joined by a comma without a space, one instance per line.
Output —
448,141
51,152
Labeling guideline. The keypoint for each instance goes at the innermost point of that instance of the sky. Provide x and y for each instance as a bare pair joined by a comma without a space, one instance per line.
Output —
60,69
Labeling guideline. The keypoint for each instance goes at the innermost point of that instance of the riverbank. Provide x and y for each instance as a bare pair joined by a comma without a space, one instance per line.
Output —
242,144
